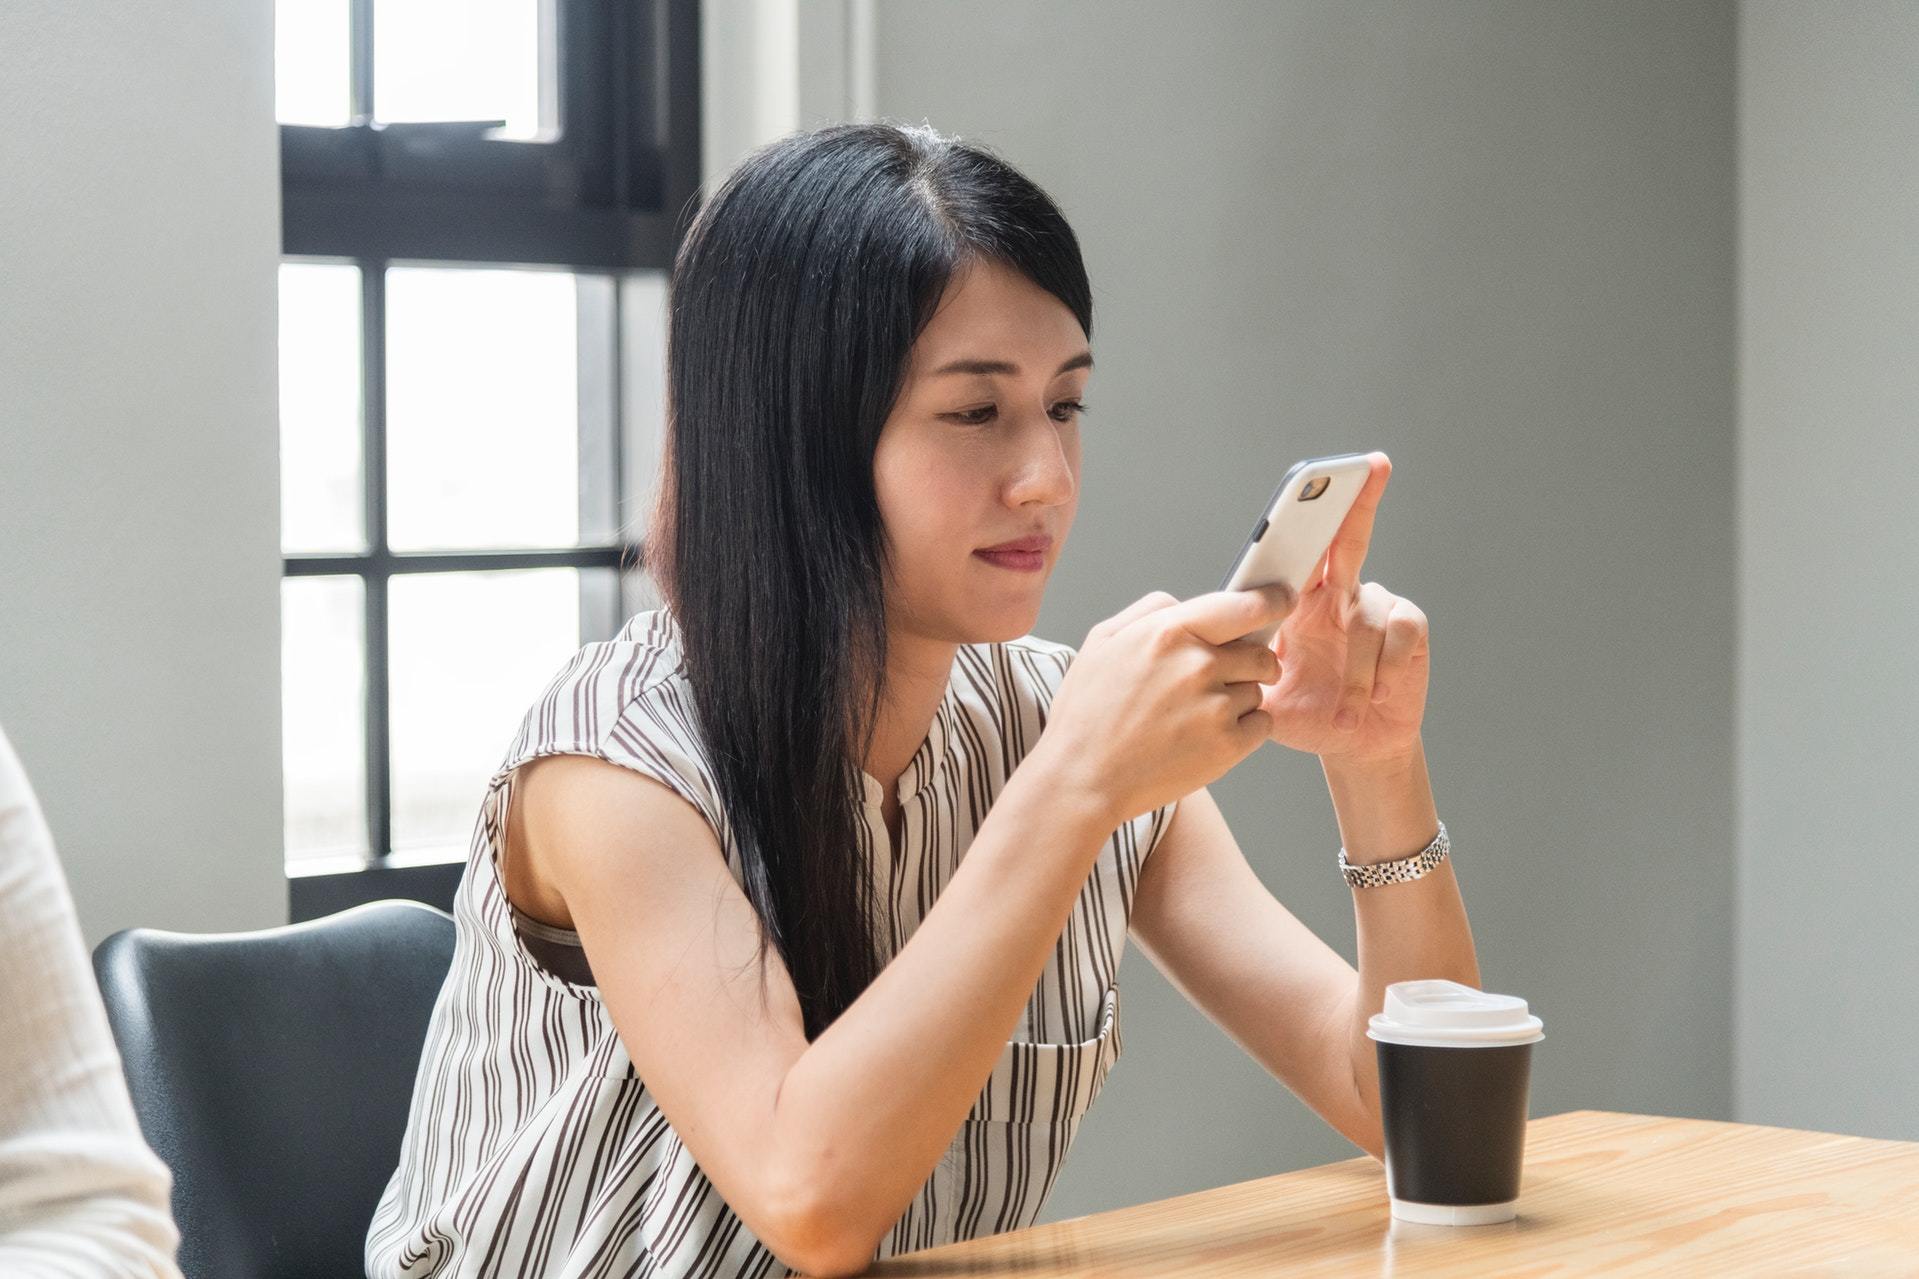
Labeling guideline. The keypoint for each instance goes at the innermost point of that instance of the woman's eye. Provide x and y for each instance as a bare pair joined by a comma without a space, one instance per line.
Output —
1064,411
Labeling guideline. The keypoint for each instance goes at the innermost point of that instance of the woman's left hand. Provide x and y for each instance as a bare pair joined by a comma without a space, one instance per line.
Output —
1353,656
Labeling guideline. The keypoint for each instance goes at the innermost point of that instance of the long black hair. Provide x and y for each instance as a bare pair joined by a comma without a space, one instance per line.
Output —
795,299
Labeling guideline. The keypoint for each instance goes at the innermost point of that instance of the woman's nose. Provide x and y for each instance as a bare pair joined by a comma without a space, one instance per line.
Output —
1044,472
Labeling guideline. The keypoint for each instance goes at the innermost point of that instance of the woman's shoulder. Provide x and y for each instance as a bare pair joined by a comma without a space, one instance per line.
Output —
619,693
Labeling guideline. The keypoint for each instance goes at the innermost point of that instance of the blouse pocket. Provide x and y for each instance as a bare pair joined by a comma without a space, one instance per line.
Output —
1001,1165
1037,1082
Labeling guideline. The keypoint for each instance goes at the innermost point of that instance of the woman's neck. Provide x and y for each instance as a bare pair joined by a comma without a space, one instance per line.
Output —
917,673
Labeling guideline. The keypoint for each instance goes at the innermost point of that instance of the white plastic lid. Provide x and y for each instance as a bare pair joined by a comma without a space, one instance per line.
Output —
1445,1014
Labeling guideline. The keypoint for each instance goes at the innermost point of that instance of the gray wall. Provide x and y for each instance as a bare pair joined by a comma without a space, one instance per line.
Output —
139,474
1497,240
1829,570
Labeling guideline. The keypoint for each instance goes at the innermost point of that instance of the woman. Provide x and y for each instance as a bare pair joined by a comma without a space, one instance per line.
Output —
790,934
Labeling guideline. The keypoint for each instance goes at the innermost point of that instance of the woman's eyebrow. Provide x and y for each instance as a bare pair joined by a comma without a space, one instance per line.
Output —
1084,360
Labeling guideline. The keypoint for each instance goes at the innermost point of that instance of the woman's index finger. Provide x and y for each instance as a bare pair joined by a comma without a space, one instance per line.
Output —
1355,535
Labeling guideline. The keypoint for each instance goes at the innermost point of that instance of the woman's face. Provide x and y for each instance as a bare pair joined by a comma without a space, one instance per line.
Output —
981,448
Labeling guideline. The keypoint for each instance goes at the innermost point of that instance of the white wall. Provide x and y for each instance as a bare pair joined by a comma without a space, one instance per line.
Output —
139,474
1495,239
1829,567
749,78
769,67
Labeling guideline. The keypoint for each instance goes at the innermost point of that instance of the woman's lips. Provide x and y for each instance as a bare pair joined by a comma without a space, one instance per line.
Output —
1022,554
1020,561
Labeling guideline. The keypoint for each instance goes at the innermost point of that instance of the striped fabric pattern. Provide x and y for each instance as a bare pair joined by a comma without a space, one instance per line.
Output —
533,1148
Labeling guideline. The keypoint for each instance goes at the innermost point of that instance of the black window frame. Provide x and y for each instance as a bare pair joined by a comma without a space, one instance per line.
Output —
613,193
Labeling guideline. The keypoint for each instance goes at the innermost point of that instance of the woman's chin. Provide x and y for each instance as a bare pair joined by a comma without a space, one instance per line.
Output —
999,623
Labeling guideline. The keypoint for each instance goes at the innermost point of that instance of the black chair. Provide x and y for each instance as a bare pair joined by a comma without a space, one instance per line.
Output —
272,1071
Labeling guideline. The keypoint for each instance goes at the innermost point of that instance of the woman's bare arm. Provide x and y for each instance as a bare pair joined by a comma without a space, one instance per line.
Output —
818,1147
1207,922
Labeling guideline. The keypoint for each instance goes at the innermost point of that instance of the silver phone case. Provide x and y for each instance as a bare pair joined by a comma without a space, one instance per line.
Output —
1291,535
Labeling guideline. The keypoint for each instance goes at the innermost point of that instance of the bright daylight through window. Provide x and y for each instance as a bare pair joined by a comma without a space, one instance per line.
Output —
469,386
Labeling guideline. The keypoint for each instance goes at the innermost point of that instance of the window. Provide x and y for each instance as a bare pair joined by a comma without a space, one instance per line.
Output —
481,200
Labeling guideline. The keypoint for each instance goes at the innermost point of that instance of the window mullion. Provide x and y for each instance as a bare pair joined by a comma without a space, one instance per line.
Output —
360,38
379,752
616,446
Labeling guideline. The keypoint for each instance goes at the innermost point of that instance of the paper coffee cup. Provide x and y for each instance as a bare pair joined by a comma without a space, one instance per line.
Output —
1455,1066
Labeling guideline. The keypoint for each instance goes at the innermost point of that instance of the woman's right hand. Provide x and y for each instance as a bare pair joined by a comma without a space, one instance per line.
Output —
1163,698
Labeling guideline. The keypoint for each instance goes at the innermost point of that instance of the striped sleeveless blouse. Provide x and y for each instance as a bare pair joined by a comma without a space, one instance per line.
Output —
533,1148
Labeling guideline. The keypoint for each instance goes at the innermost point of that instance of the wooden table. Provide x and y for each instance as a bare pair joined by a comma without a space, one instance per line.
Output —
1602,1191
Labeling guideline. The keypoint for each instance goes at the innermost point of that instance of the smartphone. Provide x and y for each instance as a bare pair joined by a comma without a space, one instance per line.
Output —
1296,526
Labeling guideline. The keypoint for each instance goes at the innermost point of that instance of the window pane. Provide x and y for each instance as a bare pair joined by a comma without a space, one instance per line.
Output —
466,60
320,478
312,82
482,409
470,652
323,716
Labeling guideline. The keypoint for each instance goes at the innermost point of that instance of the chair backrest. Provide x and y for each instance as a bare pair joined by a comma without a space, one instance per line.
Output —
272,1071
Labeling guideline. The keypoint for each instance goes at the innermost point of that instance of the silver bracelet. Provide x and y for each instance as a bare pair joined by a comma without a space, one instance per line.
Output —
1406,869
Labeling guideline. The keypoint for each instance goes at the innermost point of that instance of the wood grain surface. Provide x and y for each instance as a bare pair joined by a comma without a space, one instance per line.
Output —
1602,1192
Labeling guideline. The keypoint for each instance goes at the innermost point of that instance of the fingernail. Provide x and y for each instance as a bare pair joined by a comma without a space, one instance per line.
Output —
1346,718
1379,692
